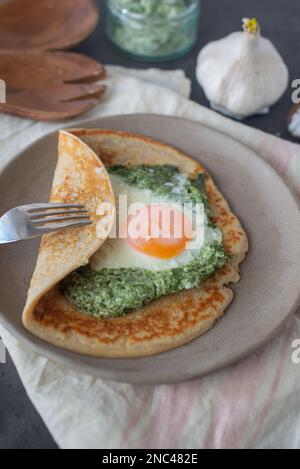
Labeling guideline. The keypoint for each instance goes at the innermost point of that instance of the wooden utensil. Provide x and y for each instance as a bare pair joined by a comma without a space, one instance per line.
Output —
46,24
50,85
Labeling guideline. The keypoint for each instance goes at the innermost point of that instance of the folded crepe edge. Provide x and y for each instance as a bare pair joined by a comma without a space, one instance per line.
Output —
57,254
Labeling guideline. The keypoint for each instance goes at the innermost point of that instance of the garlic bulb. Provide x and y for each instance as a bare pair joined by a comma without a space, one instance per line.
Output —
242,74
294,121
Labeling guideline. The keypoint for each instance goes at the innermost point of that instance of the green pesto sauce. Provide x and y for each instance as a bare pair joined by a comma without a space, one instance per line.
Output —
156,8
155,31
165,181
114,292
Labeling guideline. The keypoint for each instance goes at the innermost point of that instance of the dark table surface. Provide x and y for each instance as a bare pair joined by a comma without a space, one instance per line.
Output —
20,425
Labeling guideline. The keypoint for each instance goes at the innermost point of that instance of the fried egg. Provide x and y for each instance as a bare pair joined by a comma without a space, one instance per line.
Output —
152,232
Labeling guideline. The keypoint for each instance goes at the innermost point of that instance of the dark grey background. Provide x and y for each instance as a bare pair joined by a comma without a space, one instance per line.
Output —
20,425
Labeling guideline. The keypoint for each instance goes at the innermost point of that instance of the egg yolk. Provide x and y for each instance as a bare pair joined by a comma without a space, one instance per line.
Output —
159,231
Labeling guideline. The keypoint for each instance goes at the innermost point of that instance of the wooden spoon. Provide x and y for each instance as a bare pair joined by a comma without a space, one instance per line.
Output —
46,24
50,85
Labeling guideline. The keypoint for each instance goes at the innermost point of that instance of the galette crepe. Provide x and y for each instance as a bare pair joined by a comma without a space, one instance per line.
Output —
125,286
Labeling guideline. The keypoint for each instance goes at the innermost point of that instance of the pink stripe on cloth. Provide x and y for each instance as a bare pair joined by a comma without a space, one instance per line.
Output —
135,418
173,436
275,385
175,408
235,403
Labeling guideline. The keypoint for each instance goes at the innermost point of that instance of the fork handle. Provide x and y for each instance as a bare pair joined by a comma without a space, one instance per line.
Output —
5,237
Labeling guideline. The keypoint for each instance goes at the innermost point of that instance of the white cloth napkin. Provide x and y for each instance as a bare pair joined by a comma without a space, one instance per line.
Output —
255,404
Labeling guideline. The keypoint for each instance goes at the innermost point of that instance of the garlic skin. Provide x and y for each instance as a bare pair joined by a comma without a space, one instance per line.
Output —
294,121
242,74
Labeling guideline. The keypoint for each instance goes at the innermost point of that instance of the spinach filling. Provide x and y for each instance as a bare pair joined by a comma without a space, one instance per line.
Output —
165,181
115,292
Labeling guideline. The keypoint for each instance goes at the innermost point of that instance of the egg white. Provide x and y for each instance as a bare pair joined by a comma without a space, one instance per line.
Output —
116,253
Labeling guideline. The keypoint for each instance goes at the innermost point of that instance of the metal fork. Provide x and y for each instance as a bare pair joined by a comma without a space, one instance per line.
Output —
31,221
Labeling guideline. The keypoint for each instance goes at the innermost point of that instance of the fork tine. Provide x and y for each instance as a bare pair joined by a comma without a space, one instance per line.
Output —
38,207
61,226
43,221
75,92
39,215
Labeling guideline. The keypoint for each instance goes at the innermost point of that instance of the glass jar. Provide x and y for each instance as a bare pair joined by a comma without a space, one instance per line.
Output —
153,30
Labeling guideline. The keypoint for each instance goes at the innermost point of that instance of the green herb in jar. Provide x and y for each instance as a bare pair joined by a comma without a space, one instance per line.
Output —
153,28
156,8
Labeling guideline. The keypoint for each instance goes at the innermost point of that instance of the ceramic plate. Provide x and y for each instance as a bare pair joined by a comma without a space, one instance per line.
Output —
269,288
